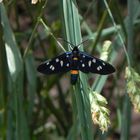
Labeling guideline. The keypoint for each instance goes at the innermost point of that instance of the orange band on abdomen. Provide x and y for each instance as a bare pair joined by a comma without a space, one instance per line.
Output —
75,58
74,72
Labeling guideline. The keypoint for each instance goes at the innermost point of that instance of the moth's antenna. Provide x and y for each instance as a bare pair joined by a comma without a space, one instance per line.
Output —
74,45
82,43
70,46
60,45
68,43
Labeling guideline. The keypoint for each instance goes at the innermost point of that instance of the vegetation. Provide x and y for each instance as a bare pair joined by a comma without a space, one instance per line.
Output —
35,106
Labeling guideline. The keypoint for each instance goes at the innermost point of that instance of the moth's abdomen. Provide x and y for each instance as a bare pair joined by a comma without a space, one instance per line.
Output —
74,76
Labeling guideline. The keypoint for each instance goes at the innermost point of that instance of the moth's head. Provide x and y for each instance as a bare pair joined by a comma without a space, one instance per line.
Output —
75,50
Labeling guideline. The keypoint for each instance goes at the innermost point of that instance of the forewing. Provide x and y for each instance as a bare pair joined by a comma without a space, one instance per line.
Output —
59,64
94,65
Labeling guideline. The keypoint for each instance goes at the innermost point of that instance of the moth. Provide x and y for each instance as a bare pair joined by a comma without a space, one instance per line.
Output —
75,61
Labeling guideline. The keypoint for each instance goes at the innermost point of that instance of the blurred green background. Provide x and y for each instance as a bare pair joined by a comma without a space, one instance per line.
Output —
34,106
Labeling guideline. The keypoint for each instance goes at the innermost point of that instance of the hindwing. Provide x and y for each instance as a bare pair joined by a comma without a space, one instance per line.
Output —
88,63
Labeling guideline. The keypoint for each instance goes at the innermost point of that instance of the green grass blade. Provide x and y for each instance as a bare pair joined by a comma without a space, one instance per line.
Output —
3,86
15,67
73,35
31,78
126,122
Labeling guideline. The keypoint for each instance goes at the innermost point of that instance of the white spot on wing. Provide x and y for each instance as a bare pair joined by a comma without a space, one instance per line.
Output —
61,63
99,68
84,56
68,65
94,60
89,63
67,55
83,65
51,66
57,60
103,63
47,63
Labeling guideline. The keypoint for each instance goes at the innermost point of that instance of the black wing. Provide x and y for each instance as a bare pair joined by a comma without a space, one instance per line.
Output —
94,65
59,64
